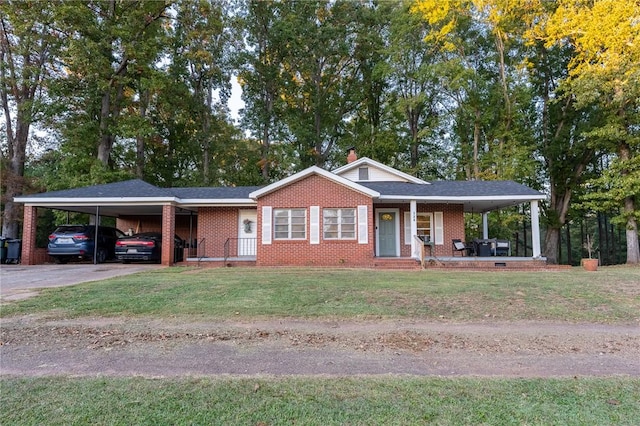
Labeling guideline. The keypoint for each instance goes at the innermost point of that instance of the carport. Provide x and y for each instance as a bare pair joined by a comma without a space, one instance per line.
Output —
129,198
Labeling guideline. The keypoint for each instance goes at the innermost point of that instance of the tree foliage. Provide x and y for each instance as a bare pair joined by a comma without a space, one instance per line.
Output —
605,73
28,46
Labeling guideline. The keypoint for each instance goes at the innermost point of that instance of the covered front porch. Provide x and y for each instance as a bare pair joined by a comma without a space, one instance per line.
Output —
483,263
431,231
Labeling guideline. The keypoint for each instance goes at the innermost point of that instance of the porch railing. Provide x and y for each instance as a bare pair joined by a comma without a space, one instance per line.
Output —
422,248
243,247
201,249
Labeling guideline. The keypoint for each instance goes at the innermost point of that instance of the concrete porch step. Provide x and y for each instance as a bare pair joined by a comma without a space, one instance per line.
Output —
396,263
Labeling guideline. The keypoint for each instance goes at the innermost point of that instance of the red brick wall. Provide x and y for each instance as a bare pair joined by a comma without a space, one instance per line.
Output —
216,224
453,225
181,225
168,231
139,224
41,256
28,249
154,224
315,191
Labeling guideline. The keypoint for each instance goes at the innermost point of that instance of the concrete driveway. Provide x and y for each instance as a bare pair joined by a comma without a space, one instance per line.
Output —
20,281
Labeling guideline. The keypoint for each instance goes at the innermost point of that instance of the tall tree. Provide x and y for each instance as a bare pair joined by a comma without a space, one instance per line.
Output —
564,150
260,73
412,78
27,45
320,75
559,125
605,72
375,125
110,45
485,90
202,46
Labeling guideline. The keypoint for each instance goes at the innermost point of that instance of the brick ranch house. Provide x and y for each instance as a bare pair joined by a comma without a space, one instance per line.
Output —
362,214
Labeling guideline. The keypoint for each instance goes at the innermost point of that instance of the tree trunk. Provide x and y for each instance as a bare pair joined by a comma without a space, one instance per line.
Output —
556,216
109,112
569,252
268,101
551,244
14,179
505,94
633,249
104,144
22,66
414,142
476,146
206,143
144,102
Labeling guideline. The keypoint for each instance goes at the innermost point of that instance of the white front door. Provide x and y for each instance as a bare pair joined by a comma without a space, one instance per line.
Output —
247,232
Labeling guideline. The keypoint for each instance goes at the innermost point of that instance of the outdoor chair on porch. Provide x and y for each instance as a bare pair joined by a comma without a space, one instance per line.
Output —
458,247
503,248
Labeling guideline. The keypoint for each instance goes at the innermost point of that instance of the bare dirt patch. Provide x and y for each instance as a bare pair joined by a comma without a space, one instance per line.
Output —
32,346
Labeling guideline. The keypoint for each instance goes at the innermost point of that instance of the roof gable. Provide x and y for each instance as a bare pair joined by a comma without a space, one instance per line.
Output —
377,172
314,170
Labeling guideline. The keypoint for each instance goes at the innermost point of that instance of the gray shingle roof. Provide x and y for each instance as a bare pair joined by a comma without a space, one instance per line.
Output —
135,188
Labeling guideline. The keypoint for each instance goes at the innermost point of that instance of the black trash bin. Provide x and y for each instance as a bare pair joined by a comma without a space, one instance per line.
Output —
483,248
3,249
14,250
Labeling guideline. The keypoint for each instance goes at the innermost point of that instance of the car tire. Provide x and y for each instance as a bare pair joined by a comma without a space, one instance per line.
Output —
102,256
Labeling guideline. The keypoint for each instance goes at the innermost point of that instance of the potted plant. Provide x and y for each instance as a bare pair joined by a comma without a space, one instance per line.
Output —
590,264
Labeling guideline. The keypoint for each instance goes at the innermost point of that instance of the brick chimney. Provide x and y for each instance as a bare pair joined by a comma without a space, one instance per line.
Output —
351,156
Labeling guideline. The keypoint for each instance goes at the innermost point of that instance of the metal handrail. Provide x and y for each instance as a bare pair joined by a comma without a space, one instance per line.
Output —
247,244
226,249
201,251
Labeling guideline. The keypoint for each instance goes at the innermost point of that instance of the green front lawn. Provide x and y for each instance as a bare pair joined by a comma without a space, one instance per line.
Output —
611,295
319,401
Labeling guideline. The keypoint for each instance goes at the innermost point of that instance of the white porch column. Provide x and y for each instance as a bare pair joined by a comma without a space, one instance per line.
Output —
413,215
485,225
535,228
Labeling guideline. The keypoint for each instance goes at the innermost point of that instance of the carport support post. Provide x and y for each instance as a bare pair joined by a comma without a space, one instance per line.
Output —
535,229
415,253
168,232
95,237
485,225
28,256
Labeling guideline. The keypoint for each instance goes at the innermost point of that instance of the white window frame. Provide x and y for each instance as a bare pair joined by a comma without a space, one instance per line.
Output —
277,214
340,224
363,173
407,226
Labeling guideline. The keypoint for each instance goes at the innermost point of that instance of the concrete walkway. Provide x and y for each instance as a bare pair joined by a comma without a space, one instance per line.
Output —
21,281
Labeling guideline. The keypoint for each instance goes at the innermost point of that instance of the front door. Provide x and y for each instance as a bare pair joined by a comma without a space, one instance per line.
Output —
248,221
387,238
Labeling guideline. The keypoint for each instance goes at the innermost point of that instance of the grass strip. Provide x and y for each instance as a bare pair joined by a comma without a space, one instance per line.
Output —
610,295
319,401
